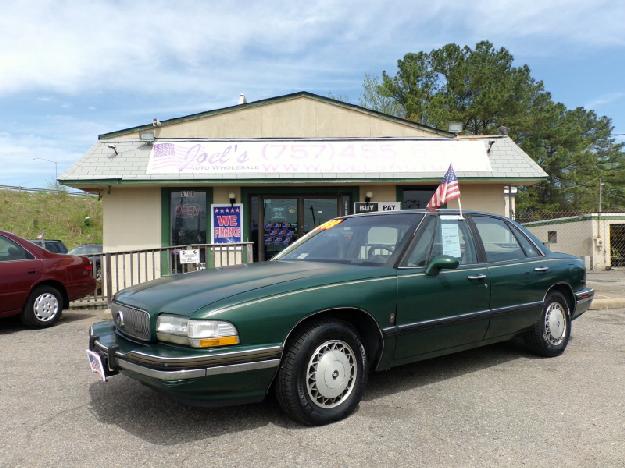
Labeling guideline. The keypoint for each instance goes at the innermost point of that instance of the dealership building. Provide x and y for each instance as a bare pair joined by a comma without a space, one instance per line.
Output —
283,165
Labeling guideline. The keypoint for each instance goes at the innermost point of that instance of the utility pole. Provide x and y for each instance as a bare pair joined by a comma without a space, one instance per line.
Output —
56,168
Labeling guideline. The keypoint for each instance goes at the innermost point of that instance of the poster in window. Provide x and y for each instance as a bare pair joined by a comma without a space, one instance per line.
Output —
226,223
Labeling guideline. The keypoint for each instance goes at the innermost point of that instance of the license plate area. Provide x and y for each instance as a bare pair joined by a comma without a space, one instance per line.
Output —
96,365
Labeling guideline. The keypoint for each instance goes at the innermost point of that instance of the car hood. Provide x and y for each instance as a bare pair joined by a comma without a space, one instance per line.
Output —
191,292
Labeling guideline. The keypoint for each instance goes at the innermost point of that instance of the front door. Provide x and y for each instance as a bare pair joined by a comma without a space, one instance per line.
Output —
280,226
284,219
448,309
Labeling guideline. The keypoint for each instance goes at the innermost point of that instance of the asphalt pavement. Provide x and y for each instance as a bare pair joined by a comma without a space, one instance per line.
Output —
493,406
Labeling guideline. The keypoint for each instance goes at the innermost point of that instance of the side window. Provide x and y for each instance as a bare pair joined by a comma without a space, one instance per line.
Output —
530,249
420,251
500,243
447,235
11,251
453,238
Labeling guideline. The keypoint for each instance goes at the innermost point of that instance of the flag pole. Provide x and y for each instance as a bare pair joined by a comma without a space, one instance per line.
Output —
460,207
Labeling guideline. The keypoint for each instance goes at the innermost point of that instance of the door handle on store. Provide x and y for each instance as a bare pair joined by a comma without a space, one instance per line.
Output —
476,277
541,269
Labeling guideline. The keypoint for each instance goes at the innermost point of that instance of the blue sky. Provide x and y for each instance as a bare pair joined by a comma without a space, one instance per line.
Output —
70,70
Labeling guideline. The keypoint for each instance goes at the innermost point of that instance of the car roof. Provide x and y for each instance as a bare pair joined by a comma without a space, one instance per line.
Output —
424,211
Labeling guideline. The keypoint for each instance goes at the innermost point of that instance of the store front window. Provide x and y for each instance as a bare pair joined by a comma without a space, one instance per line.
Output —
276,221
188,217
416,198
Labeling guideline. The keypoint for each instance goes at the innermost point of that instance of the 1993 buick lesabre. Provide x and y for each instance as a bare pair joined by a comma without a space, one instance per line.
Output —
360,293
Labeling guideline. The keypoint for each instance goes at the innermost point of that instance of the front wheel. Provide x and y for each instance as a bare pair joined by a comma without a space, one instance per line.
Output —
551,333
323,373
43,307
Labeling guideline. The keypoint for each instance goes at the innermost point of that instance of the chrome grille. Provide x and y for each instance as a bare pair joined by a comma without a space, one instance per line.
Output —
131,321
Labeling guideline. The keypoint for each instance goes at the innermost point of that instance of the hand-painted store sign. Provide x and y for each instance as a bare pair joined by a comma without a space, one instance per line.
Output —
364,158
227,223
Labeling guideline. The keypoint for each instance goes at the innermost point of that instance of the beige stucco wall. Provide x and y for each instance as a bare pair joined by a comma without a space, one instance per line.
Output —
586,238
221,192
381,193
131,218
482,197
573,238
301,117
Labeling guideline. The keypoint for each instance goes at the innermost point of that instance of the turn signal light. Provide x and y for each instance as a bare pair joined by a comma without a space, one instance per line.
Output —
221,341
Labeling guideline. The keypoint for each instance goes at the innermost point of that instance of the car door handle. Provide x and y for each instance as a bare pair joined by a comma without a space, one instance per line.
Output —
541,269
32,272
476,277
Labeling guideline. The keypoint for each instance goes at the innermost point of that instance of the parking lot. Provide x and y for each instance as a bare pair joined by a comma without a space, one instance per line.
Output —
489,407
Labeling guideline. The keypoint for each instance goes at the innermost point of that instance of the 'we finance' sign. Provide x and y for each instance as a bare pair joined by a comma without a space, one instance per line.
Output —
227,223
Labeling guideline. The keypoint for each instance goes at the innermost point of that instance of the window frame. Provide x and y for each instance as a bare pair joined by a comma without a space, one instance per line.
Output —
435,217
511,228
518,232
11,241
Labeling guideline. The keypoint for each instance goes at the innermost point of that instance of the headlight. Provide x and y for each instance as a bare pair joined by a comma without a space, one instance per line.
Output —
196,333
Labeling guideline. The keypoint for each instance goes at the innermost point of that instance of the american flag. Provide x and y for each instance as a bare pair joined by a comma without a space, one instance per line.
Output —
447,190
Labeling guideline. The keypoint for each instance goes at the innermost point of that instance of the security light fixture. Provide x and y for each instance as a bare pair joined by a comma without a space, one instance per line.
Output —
232,198
455,127
368,197
114,148
147,136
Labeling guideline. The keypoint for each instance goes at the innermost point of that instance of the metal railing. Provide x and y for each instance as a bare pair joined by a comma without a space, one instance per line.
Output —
115,271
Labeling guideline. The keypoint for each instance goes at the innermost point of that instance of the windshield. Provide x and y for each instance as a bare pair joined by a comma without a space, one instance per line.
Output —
357,240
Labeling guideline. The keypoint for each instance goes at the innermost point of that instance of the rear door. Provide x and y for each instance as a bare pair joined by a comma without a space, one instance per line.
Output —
447,310
18,272
517,274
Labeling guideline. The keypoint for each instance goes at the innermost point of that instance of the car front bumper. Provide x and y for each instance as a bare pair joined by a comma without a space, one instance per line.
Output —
583,299
216,376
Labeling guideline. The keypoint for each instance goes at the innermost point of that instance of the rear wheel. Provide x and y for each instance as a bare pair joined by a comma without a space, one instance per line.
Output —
43,307
550,335
322,375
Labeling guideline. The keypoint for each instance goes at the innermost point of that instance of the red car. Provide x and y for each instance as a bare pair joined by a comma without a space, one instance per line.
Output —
38,284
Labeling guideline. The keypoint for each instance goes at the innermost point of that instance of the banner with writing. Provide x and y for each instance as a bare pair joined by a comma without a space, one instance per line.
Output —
308,158
227,223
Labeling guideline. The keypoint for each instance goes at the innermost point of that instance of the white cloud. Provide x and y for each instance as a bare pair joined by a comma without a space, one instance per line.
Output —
605,99
61,139
158,45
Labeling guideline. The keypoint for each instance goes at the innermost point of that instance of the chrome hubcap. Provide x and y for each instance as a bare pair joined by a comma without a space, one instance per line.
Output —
331,374
46,307
555,324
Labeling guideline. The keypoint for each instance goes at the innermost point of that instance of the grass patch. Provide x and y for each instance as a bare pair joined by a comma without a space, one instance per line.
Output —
56,215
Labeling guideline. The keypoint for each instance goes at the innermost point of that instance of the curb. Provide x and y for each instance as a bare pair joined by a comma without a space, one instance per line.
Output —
611,303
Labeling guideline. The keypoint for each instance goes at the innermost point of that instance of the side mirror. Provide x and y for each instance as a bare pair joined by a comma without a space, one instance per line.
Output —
442,262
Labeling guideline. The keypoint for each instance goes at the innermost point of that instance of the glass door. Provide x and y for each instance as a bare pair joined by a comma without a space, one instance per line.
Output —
277,221
280,224
317,211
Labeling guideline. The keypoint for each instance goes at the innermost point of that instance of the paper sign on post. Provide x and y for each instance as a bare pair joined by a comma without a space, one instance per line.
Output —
190,256
451,239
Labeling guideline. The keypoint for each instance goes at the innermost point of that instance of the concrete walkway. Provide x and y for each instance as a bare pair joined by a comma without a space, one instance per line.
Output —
609,288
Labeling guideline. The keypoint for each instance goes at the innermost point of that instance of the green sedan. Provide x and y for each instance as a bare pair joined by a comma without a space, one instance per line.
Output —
358,294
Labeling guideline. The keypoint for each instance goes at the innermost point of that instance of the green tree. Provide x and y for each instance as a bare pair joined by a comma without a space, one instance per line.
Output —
482,88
